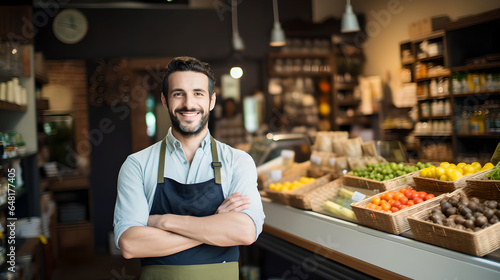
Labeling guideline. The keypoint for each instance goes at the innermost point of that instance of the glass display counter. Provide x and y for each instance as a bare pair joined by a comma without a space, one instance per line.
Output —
373,252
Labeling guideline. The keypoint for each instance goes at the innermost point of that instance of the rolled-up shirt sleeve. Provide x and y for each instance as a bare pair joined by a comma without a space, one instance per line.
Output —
244,180
131,208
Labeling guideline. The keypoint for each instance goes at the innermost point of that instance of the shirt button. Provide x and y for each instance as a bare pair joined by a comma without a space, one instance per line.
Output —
185,162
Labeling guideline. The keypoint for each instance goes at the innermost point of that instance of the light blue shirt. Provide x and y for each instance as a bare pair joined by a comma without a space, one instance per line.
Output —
138,178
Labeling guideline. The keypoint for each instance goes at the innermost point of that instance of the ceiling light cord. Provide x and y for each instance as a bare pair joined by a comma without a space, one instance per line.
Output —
275,11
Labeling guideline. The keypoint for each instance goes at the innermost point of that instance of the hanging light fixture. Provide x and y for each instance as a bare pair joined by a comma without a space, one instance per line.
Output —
278,38
238,44
349,20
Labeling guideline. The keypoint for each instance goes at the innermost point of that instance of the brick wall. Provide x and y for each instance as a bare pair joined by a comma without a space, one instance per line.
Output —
69,77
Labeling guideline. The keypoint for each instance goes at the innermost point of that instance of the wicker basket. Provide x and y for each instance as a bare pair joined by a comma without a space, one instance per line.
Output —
478,243
283,197
328,192
480,180
301,197
365,183
430,184
395,223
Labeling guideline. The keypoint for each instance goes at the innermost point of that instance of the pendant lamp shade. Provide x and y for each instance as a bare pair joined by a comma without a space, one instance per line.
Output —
349,20
278,38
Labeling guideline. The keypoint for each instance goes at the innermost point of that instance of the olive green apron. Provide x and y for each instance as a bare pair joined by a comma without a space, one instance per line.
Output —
217,271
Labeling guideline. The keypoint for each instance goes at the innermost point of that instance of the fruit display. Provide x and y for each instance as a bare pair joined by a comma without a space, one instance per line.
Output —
288,186
450,172
460,212
338,209
393,201
387,170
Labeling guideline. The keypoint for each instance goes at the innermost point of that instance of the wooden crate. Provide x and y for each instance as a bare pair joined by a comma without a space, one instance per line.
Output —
328,192
478,243
395,223
360,182
430,184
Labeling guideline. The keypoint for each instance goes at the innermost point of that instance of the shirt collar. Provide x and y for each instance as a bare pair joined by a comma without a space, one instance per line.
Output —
174,144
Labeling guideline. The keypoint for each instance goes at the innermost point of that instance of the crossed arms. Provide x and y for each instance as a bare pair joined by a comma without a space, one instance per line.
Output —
169,233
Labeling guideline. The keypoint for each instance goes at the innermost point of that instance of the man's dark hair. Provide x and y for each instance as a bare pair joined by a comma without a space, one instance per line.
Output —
186,63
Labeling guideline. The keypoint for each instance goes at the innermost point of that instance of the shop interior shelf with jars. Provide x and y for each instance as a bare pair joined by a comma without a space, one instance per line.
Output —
300,83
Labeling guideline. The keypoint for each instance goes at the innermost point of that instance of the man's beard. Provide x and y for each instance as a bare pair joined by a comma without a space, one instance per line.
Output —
183,130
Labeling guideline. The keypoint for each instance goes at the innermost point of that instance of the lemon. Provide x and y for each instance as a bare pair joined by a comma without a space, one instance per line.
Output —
443,178
476,165
444,164
487,166
432,172
468,169
461,164
423,172
440,171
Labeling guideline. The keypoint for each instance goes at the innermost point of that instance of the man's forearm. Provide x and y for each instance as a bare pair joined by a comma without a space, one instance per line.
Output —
227,229
145,241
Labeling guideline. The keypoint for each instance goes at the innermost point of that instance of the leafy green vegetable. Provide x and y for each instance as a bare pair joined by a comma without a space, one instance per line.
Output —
495,173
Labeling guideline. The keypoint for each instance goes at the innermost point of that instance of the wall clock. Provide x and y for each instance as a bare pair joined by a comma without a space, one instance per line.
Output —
70,26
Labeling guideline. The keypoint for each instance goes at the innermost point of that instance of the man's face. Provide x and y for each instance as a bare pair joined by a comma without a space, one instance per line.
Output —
189,102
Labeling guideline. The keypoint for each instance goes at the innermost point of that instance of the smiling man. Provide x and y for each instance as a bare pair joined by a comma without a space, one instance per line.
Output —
179,208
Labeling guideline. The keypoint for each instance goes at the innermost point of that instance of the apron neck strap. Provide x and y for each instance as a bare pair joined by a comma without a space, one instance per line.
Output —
216,165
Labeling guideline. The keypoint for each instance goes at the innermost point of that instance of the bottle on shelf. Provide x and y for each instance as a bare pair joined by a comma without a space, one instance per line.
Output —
477,121
465,121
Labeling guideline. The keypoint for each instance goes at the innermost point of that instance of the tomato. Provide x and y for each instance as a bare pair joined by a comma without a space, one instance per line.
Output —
398,195
392,201
418,200
376,200
429,196
403,200
415,195
410,188
397,204
402,190
394,209
411,203
386,206
422,194
389,195
404,206
408,194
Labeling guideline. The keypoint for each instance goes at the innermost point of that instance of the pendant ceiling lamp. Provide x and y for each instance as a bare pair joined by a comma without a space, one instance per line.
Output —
349,20
238,44
278,38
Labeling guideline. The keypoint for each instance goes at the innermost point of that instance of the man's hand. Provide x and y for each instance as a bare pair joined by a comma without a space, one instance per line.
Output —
233,203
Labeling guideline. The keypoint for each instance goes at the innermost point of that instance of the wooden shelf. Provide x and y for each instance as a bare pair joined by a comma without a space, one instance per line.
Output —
433,135
483,136
430,77
431,58
419,98
473,67
445,117
69,183
4,105
482,93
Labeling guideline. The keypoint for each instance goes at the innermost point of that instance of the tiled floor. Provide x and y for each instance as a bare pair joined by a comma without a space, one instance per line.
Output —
99,267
